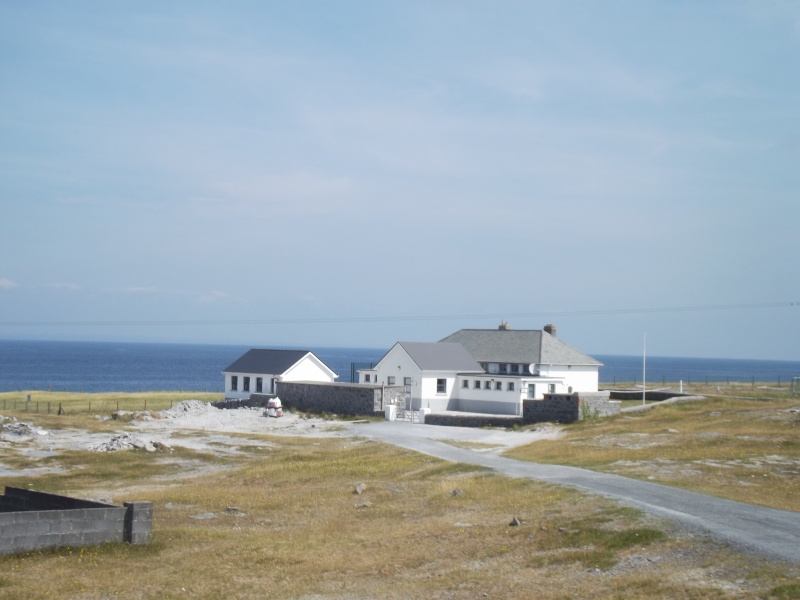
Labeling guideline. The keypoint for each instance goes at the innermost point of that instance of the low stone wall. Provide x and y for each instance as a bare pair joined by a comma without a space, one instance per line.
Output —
554,408
569,408
338,398
254,401
452,419
598,404
652,395
32,520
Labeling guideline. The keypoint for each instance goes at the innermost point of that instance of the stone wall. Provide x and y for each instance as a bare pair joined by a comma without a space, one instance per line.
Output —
32,520
338,398
554,408
569,408
598,404
652,395
453,419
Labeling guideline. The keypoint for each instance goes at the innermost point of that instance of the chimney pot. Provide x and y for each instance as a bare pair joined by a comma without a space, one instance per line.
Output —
551,329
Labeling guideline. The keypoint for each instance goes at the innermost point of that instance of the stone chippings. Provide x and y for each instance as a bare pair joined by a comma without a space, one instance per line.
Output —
128,441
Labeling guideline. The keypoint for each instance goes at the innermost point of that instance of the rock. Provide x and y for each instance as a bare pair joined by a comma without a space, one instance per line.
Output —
366,504
673,431
514,522
457,492
359,489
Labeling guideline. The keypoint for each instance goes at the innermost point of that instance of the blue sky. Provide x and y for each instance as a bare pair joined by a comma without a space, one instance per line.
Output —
357,173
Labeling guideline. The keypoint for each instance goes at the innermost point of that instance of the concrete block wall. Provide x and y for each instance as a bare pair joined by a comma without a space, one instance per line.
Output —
31,520
337,398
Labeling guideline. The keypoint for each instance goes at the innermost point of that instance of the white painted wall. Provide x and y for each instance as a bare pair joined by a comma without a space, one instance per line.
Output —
309,368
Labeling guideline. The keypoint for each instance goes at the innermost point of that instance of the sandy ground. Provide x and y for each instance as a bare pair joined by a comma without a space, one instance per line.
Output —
199,426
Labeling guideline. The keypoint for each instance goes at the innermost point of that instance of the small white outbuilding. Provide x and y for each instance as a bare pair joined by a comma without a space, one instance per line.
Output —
258,371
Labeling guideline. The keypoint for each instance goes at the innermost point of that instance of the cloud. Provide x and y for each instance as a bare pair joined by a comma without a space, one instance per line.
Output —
7,284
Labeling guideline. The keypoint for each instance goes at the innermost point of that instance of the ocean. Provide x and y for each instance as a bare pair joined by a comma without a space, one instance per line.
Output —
137,367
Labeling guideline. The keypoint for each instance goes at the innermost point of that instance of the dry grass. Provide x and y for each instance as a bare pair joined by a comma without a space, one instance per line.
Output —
75,403
285,523
744,450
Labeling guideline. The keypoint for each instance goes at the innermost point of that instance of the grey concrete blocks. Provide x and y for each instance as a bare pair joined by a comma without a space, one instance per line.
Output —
31,520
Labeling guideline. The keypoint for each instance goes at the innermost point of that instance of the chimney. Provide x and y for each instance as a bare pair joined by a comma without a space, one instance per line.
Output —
504,326
551,329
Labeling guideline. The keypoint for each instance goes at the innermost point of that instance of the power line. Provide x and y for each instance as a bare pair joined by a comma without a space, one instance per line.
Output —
387,319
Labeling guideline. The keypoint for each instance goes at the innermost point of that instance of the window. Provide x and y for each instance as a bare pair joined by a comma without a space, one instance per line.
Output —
503,368
498,385
406,380
551,388
487,385
366,378
259,385
510,386
515,368
245,384
390,380
234,383
441,386
465,383
477,385
531,391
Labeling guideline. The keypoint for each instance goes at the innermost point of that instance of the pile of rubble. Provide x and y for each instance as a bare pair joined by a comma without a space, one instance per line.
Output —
11,427
127,441
187,408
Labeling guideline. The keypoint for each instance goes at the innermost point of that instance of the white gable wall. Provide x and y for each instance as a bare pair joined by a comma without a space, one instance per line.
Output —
308,368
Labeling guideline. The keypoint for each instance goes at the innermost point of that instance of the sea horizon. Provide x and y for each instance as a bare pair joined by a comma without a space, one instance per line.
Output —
102,366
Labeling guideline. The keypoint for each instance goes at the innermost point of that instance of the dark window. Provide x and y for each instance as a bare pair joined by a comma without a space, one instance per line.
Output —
259,385
477,384
406,380
504,368
441,386
366,378
245,384
487,385
510,386
551,388
234,383
390,380
498,385
515,368
531,391
465,383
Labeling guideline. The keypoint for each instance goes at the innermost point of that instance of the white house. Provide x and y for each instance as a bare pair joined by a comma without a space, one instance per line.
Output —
428,370
512,365
258,371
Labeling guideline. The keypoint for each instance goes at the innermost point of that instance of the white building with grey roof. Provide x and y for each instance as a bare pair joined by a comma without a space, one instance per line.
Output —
485,370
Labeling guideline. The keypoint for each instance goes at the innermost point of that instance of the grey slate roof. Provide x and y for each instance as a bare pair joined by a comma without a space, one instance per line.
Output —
519,346
431,356
271,362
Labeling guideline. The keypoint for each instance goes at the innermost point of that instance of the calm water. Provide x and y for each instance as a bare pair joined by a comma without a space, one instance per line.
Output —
126,367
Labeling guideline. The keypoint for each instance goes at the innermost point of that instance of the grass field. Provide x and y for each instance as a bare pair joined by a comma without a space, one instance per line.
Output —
280,519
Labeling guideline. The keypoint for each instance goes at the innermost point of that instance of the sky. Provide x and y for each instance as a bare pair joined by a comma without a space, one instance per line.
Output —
355,173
